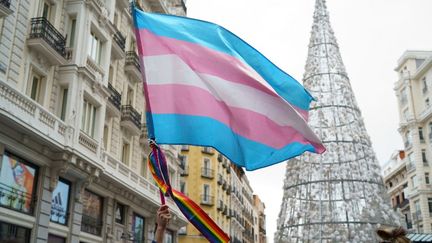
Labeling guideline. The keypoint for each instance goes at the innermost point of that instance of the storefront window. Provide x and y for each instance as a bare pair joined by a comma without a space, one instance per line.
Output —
14,233
92,213
138,229
17,182
119,213
60,202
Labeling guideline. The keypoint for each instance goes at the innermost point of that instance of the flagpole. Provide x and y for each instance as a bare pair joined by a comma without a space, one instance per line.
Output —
149,121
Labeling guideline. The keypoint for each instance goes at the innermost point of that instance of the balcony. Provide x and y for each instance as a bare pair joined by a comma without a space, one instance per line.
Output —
132,66
425,114
207,173
124,175
48,41
207,200
5,8
404,203
220,205
118,45
184,148
131,119
114,104
28,113
207,150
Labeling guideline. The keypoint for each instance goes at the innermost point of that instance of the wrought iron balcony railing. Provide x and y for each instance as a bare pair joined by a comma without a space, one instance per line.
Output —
115,96
132,59
16,199
128,112
42,28
206,172
120,40
5,3
91,225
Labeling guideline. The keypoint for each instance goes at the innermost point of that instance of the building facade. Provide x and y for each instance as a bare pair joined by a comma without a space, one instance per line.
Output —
205,180
72,134
261,229
396,182
414,92
222,190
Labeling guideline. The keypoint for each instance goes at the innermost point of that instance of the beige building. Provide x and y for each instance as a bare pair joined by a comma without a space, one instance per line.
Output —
414,92
396,182
260,226
72,134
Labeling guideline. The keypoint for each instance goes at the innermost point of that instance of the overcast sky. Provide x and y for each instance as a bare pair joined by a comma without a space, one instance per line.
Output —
372,35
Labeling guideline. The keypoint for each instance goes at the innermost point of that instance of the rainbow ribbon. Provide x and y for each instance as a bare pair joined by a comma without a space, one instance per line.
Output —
204,224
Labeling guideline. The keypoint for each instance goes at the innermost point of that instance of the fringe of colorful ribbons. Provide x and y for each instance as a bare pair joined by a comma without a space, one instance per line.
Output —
159,169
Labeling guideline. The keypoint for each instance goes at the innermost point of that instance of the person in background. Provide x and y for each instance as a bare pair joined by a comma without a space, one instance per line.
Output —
392,234
162,219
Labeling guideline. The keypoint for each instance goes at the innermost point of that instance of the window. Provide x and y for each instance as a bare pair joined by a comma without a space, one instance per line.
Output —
13,233
182,230
427,103
183,161
17,183
71,37
425,86
64,98
414,181
207,163
129,96
144,167
92,213
420,229
430,204
138,229
206,193
125,153
403,96
56,239
105,137
424,159
88,118
35,87
390,184
183,187
46,10
420,131
427,178
120,213
95,47
411,158
60,202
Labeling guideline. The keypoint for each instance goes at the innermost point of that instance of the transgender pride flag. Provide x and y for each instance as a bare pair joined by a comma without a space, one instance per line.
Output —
205,86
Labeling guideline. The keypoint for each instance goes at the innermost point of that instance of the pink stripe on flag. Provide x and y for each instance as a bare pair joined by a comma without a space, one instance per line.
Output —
204,60
254,126
208,61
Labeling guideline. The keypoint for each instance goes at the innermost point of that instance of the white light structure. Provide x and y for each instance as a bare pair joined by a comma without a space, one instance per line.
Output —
338,196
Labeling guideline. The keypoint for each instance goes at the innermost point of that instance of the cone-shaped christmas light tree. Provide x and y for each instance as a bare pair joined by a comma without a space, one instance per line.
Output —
338,196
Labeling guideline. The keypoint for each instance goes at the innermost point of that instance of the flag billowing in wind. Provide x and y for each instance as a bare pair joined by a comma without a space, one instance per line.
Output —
205,86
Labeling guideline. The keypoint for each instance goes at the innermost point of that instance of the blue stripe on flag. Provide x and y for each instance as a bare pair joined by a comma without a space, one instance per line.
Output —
204,131
218,38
